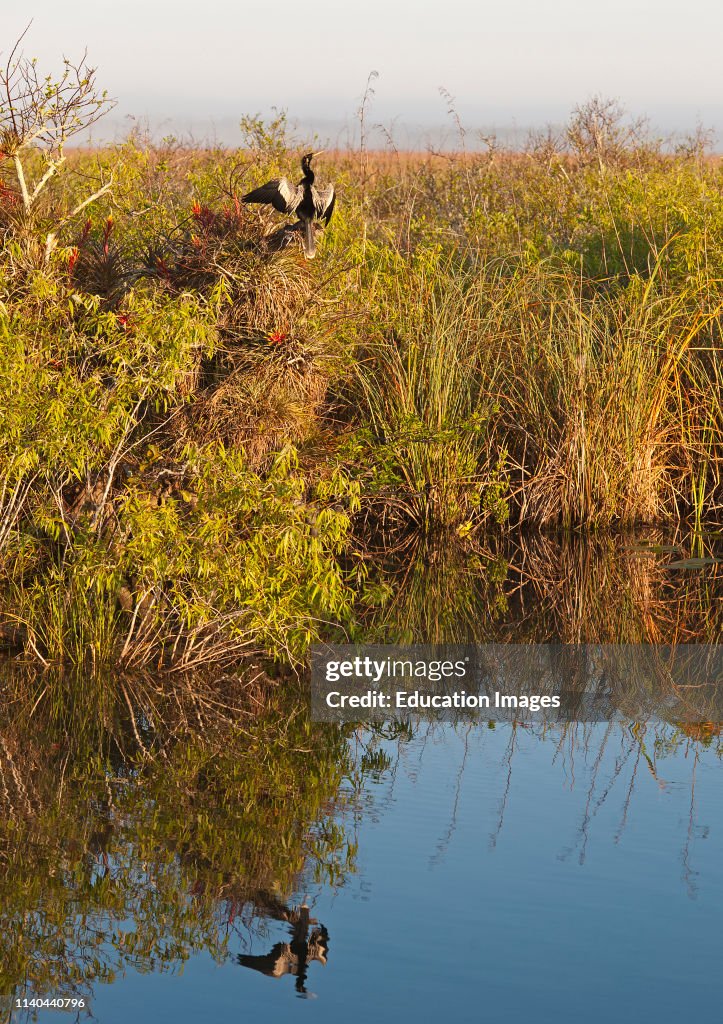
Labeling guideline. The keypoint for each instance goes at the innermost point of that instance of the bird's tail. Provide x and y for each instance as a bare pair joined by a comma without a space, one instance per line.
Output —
308,239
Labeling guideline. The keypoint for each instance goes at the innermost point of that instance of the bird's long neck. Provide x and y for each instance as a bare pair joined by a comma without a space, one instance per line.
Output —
308,173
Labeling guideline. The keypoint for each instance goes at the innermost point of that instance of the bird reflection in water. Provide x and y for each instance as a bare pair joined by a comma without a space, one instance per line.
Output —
307,944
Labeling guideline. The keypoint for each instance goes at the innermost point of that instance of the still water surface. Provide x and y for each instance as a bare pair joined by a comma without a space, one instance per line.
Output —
439,872
501,875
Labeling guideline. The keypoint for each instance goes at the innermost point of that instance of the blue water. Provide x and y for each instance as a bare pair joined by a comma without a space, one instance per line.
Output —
501,875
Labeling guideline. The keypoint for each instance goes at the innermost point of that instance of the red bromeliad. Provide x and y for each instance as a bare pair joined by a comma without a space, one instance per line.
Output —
109,223
205,216
87,227
162,268
8,196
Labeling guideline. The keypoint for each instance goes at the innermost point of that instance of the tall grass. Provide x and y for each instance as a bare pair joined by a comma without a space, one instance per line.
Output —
521,383
424,400
604,405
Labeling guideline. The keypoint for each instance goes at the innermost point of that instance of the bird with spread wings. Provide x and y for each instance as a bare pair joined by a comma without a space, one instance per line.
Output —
308,202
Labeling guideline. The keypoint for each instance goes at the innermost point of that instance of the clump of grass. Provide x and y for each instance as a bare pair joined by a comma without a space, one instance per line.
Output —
424,400
267,396
223,564
597,394
522,386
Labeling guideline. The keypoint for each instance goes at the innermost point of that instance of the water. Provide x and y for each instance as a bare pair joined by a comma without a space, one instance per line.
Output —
499,874
404,873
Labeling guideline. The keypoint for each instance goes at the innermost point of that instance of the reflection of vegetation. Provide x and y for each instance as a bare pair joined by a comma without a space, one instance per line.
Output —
609,588
639,748
615,589
114,860
436,593
106,866
608,762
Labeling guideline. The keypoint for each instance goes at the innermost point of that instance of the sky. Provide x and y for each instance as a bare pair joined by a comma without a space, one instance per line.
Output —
200,66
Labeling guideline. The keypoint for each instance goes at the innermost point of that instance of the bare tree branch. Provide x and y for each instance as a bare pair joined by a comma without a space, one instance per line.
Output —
41,113
86,202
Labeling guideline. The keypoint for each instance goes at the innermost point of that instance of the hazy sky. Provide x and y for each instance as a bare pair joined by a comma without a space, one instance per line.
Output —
525,62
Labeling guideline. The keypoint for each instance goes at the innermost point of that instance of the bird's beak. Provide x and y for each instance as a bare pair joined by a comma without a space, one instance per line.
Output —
319,152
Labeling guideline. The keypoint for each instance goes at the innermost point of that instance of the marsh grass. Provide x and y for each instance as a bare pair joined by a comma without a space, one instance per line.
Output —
518,388
601,398
204,435
425,401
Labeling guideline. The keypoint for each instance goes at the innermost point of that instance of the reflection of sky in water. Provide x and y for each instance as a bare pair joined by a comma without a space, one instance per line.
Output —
551,885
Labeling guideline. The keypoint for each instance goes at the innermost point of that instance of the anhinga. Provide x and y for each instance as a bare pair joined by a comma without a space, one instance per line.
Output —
293,957
308,202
